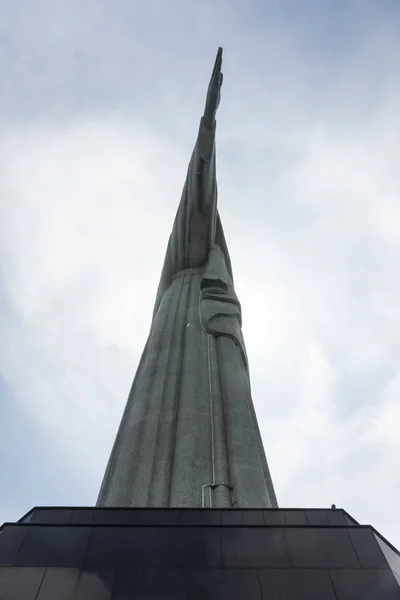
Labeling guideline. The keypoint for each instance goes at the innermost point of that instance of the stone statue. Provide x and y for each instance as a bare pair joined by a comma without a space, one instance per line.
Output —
189,435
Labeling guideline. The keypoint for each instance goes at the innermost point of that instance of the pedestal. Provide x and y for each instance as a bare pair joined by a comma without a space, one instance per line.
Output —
190,554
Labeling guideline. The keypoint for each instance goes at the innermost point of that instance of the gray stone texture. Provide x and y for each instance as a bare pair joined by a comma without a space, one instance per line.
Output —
189,435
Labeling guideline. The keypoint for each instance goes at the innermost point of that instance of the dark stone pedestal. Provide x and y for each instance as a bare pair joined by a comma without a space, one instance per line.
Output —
189,554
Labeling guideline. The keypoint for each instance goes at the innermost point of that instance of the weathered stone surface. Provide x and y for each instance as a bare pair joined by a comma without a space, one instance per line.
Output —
189,435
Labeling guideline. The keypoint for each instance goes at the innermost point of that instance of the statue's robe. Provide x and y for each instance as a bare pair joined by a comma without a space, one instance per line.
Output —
189,435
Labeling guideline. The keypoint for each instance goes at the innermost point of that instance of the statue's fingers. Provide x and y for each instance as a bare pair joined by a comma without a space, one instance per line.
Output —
217,64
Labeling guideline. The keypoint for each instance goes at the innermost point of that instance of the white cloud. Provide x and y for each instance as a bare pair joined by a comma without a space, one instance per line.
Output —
80,268
331,385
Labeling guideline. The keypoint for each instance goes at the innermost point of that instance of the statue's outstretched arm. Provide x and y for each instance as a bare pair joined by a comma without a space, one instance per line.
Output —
214,91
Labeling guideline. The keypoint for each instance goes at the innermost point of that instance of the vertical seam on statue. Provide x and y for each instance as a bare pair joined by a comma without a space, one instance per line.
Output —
225,428
148,408
211,403
210,399
113,460
161,412
178,389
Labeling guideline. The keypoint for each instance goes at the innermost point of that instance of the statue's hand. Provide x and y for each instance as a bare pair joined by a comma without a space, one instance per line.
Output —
214,91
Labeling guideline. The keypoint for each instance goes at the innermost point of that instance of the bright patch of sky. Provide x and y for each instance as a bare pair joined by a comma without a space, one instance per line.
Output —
98,114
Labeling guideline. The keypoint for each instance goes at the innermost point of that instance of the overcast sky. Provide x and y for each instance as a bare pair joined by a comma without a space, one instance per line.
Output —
99,112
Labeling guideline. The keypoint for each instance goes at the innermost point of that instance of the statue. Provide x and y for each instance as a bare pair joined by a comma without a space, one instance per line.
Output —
189,435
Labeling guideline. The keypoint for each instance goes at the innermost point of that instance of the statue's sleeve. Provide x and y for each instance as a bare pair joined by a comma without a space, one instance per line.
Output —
194,227
220,310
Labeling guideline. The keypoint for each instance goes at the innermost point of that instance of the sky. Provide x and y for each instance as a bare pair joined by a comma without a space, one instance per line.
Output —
98,117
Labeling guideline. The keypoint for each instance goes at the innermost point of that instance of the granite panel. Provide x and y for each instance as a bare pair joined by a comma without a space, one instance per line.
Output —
321,547
82,516
168,516
96,584
391,556
336,517
295,517
252,517
349,520
316,517
231,517
59,583
151,584
27,517
40,515
20,583
57,516
203,547
274,517
11,538
148,516
109,516
367,548
200,517
296,584
137,547
52,546
236,584
365,584
397,577
254,547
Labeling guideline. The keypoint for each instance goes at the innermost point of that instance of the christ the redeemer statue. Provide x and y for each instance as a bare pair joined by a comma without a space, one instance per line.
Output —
189,435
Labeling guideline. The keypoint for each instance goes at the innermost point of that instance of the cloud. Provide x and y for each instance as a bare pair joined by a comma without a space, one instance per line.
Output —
78,266
103,114
330,368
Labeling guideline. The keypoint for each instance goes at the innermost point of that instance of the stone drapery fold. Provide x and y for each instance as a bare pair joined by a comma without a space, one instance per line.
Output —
189,435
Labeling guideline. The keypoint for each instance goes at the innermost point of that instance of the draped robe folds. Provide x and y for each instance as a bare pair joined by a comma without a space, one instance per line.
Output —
189,435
